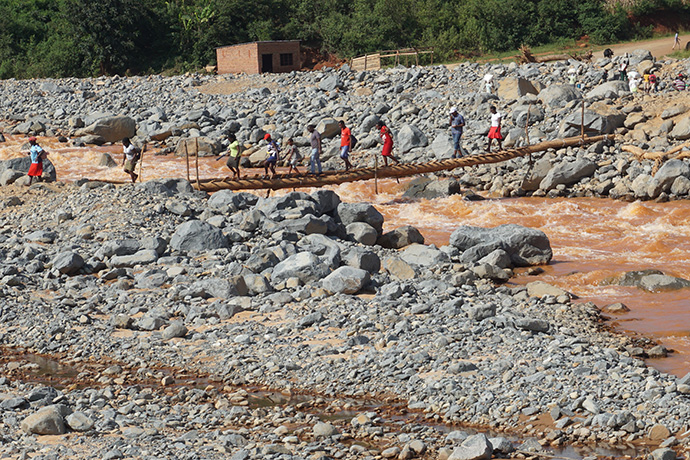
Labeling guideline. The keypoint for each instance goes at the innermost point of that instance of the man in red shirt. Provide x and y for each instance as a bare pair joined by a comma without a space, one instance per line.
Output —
345,144
387,137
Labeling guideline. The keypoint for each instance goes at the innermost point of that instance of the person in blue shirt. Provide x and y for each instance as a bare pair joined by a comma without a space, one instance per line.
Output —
457,122
37,156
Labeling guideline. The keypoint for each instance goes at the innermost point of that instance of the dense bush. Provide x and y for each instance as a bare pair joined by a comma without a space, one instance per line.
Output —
83,37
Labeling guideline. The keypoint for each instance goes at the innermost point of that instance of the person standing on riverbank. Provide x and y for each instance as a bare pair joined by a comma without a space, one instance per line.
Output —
495,130
130,158
315,157
345,144
37,156
234,156
273,152
387,137
457,123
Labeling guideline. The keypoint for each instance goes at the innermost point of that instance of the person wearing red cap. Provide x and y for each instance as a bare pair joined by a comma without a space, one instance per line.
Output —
37,156
273,151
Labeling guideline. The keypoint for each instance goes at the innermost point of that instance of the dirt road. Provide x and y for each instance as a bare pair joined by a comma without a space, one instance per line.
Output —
659,47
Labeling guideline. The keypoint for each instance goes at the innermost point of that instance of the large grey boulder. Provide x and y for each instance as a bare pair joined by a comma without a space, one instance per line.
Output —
348,213
476,447
681,131
537,174
22,165
68,263
638,56
225,200
219,288
330,82
328,127
305,266
47,421
205,146
669,172
559,95
346,280
442,146
410,137
525,246
401,237
362,233
143,257
427,188
168,187
426,256
361,258
196,235
79,421
567,173
110,129
610,90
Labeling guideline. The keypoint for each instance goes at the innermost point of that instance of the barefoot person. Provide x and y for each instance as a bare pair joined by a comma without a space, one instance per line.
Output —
345,144
272,159
293,157
234,156
37,156
387,137
495,131
130,158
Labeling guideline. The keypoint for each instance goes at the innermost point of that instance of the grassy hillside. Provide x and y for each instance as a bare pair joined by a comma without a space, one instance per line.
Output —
40,38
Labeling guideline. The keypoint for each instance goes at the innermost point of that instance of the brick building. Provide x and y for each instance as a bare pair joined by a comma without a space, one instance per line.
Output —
260,57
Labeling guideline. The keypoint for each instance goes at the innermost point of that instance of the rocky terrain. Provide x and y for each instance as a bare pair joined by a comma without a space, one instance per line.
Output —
190,113
233,326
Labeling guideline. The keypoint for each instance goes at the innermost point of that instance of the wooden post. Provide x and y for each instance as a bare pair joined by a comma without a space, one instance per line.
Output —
376,174
196,144
527,131
365,61
186,154
582,123
416,57
141,162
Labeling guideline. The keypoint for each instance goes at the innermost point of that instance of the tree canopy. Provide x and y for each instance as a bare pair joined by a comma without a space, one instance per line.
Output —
41,38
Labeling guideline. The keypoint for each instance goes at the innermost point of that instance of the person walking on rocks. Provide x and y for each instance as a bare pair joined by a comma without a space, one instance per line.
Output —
495,130
130,158
293,156
273,152
345,144
387,137
234,156
315,158
37,156
624,68
457,123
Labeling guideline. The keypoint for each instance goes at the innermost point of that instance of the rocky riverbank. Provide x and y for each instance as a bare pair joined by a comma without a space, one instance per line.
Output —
141,287
190,113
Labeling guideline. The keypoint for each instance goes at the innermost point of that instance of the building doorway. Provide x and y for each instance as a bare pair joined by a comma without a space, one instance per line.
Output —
266,63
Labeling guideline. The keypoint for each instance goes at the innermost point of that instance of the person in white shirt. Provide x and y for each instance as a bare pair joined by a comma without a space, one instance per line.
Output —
495,131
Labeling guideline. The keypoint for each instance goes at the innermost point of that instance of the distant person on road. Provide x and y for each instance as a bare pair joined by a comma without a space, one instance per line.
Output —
315,158
457,123
345,144
624,68
37,156
234,156
387,137
130,158
495,130
676,41
272,159
293,157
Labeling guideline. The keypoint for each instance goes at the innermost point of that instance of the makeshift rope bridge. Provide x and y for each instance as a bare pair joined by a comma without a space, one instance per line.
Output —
281,181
